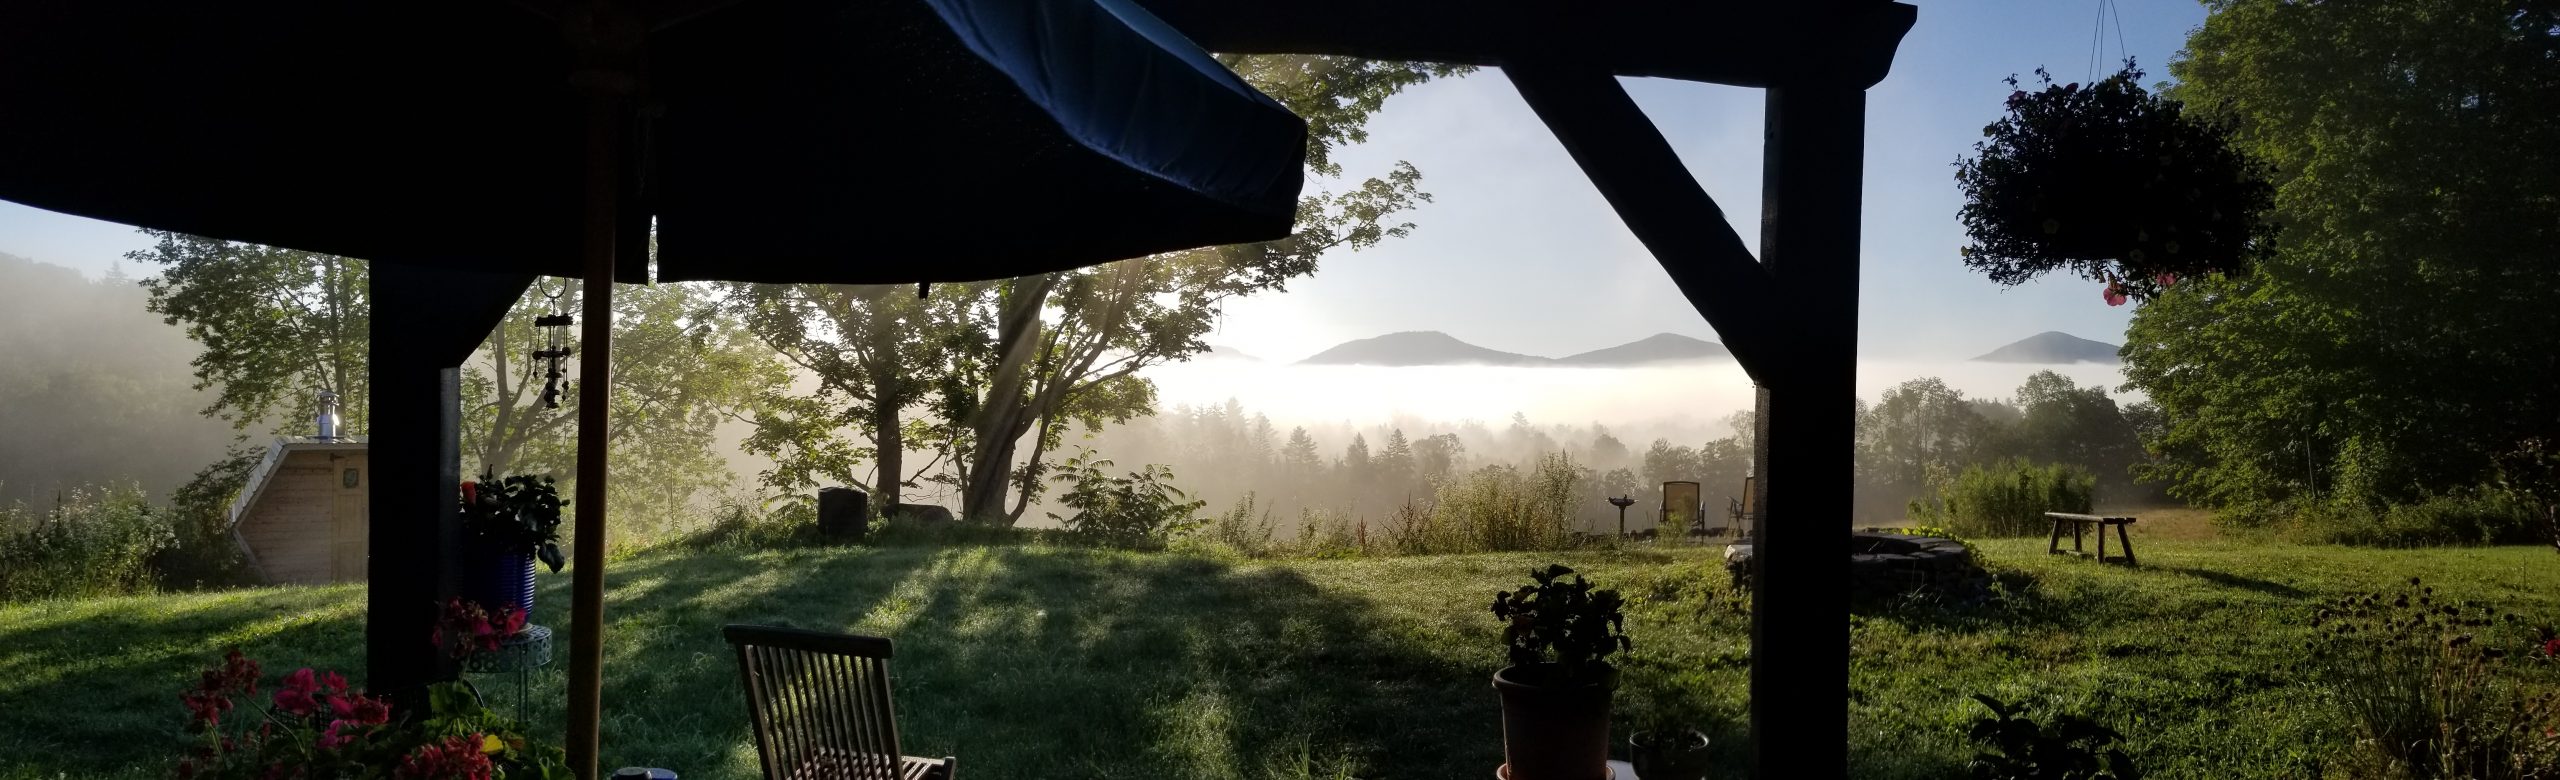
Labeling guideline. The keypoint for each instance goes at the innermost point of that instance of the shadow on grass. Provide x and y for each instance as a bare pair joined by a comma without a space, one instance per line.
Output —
95,692
1068,663
2229,580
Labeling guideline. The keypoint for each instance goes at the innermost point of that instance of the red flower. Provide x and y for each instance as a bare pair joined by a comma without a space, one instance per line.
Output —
361,709
2551,649
2115,295
456,758
331,739
470,492
296,695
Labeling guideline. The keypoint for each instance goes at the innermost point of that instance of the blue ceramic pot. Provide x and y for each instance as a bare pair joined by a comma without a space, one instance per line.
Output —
496,577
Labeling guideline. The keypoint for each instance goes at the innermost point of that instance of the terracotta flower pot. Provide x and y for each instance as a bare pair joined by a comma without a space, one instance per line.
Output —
1679,755
1552,731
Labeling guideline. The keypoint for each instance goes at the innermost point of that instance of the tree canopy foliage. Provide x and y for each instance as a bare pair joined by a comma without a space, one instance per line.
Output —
2402,338
1001,371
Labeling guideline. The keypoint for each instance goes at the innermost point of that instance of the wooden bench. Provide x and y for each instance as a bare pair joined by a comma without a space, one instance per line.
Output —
2079,523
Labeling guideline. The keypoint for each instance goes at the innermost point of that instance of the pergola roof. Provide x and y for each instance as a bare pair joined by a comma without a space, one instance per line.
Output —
1749,44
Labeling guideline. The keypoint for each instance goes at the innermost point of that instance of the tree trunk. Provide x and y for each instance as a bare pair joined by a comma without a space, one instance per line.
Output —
891,458
1000,419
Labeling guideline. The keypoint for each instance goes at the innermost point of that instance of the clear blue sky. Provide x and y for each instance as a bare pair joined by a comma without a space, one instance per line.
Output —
1519,252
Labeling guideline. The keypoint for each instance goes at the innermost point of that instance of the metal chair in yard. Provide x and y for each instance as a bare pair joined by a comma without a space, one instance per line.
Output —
820,703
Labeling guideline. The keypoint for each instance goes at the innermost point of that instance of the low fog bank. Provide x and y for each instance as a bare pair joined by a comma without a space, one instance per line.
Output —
93,388
1224,427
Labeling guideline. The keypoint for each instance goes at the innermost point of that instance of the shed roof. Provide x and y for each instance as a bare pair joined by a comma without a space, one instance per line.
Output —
284,446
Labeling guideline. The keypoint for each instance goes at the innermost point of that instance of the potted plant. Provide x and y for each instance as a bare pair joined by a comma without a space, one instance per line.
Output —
1665,743
1555,693
508,524
2113,182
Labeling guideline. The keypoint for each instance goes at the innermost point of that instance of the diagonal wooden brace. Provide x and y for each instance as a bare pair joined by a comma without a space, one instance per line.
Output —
1643,179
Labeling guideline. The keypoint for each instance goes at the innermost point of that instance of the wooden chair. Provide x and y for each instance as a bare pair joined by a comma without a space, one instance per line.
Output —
820,703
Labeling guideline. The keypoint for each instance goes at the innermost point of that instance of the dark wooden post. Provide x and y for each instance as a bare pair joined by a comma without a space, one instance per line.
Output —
414,429
1805,442
414,425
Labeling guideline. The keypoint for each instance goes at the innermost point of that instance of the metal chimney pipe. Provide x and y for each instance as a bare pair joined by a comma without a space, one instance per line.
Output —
328,416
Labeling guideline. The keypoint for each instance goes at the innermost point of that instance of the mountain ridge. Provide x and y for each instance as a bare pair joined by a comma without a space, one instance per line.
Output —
2052,346
1436,348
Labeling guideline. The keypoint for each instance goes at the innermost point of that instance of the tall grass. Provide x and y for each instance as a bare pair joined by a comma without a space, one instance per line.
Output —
96,541
1494,509
2008,498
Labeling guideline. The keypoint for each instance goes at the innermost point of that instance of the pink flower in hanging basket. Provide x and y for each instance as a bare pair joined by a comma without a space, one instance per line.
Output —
2166,280
2115,294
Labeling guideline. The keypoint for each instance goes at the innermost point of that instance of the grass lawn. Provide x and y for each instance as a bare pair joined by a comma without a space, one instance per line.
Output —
1060,663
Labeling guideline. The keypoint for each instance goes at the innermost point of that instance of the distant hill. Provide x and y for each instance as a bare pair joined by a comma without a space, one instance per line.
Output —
2053,346
1419,348
1223,352
1657,348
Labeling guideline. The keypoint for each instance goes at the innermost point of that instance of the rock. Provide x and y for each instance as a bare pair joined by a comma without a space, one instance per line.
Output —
921,514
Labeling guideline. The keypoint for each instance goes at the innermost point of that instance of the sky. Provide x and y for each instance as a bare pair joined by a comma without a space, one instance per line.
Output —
1519,253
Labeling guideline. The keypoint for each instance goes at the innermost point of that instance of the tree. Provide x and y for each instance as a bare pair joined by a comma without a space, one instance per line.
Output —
1437,456
278,326
2063,423
1606,450
1021,361
874,352
1664,462
2401,335
679,370
1395,469
1299,457
1918,423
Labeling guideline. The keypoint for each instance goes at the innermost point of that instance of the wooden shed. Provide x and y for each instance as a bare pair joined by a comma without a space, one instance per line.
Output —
301,518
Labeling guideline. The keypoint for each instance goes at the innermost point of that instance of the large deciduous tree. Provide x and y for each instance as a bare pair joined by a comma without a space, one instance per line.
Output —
868,354
1011,366
2402,337
277,326
679,370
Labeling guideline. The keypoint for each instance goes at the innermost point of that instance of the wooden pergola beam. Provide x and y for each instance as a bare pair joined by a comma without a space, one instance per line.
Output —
1750,43
1626,157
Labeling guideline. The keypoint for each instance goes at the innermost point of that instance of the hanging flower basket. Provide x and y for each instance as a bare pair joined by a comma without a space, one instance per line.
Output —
2113,183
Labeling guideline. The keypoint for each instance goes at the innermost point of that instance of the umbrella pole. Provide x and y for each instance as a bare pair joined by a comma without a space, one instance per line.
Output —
586,632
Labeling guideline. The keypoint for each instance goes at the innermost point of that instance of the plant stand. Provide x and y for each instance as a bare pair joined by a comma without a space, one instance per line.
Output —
520,654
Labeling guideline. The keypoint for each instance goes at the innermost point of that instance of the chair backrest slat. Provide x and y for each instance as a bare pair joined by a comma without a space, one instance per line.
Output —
820,703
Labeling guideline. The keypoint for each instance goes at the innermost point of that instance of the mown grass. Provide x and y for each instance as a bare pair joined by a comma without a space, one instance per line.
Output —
1032,661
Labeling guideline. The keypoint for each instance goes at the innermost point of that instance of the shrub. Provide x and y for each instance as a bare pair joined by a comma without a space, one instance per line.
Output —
2438,688
2461,517
97,541
2008,498
1141,509
745,523
2016,747
1243,530
1494,509
1328,534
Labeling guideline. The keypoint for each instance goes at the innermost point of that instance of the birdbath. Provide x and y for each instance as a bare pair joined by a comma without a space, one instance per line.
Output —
1622,502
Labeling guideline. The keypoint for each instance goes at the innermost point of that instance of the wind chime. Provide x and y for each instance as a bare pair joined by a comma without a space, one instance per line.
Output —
555,337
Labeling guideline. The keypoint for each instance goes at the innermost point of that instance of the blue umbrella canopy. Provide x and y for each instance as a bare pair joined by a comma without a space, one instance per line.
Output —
773,140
